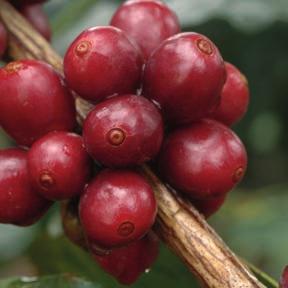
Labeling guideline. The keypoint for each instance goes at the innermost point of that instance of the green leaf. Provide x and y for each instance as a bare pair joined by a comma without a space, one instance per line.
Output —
61,281
268,281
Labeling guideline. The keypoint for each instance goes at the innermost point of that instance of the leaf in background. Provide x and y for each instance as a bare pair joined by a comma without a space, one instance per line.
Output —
56,255
263,277
62,281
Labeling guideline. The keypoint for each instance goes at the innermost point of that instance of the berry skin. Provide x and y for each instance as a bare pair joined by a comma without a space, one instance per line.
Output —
234,98
19,203
102,61
127,264
59,165
36,16
3,40
185,75
209,206
205,159
117,207
34,101
123,131
149,23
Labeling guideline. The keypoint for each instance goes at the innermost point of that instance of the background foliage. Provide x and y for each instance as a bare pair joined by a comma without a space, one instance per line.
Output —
251,34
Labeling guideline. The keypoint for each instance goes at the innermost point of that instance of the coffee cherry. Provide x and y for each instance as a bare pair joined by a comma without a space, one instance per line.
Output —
34,101
19,203
149,22
20,3
59,165
101,62
36,16
234,98
205,159
185,75
3,40
209,206
118,207
123,131
127,264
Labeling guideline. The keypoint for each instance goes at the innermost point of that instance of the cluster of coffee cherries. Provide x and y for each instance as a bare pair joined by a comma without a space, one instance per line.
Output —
159,96
32,10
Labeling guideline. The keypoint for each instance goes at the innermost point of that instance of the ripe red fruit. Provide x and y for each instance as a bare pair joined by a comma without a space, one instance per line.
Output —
185,75
102,61
59,165
34,101
36,16
234,98
19,203
205,159
3,40
123,131
149,22
117,208
127,264
209,206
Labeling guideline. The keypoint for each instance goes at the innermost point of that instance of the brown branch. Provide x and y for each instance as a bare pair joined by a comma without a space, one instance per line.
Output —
178,223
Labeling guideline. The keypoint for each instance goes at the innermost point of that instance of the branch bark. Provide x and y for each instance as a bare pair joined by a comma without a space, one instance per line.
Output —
178,224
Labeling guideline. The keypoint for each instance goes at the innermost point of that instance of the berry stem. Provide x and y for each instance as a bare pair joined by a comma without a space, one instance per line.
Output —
179,225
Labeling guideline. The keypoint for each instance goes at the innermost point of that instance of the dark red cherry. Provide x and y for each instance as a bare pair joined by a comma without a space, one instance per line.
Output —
118,207
102,61
209,206
123,131
20,3
19,202
149,22
234,98
59,165
34,101
3,40
36,16
127,264
185,75
205,159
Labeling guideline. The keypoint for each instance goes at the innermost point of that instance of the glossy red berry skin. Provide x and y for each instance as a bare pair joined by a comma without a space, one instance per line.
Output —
209,206
36,16
205,159
3,40
234,97
185,75
59,165
128,263
34,101
123,131
149,23
19,202
102,61
117,207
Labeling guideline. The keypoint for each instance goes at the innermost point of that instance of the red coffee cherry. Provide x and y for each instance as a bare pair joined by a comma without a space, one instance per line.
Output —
117,208
102,61
123,131
36,16
234,98
59,165
34,101
127,264
205,159
149,22
209,206
185,75
3,40
19,203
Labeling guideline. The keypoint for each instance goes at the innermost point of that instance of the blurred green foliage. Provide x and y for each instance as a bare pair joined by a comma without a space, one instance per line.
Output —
253,36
